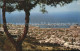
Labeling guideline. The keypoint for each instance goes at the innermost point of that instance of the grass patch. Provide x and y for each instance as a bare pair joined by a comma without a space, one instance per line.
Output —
61,31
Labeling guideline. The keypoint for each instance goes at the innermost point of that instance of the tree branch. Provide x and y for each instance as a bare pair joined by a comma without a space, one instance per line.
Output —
5,26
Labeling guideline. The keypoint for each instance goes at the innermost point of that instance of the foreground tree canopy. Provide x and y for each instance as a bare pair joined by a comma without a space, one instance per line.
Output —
26,5
12,5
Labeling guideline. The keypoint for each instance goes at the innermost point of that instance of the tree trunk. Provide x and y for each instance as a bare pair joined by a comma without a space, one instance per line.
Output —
18,47
17,44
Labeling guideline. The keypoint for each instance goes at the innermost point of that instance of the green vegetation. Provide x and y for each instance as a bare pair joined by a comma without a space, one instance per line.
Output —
28,44
2,39
61,31
0,25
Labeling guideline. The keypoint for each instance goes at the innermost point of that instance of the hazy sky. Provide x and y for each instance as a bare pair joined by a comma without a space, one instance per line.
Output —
72,7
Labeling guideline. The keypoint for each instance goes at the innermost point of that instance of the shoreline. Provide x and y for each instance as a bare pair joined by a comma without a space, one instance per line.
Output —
54,26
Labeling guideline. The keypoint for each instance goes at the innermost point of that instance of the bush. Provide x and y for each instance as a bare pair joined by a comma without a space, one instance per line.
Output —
8,45
2,39
5,44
